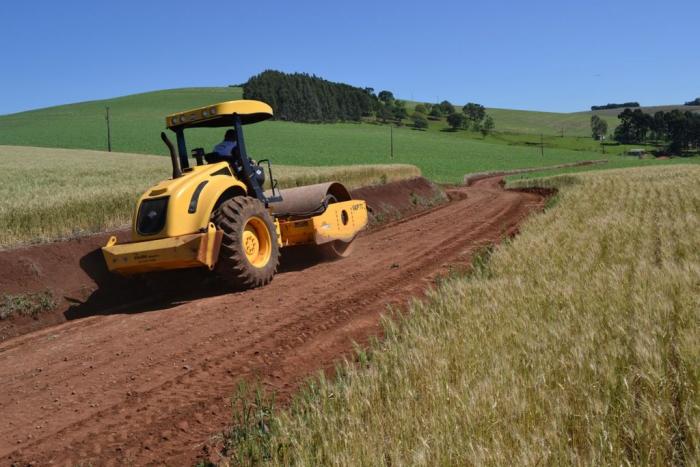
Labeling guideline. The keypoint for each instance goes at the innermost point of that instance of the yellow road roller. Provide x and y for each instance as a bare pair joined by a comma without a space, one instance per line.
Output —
217,214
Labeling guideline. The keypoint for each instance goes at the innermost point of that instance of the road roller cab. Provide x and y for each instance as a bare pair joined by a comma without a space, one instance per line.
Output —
217,213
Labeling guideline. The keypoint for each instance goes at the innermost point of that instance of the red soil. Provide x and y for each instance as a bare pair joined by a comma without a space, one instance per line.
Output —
74,273
150,381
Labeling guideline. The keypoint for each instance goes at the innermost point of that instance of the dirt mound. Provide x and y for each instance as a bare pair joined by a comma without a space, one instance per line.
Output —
74,274
151,383
396,200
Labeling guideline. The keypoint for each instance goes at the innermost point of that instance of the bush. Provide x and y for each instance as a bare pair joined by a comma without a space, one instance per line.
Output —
419,121
456,120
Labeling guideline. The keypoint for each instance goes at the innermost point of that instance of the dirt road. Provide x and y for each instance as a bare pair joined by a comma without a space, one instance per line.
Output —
151,384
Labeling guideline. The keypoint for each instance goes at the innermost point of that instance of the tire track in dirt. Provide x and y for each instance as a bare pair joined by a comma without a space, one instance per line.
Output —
152,387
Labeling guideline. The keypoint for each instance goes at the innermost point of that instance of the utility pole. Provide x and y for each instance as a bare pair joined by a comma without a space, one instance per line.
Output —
542,144
391,140
109,130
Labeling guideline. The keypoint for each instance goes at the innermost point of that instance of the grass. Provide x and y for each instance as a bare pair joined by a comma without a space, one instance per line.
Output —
29,304
136,120
46,194
442,156
534,122
577,343
614,162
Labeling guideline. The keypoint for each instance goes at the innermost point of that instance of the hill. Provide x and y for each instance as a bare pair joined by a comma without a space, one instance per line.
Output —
649,109
548,123
138,119
536,122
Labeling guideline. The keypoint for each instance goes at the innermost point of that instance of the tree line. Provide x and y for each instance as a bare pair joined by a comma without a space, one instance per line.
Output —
615,106
301,97
695,101
471,117
678,130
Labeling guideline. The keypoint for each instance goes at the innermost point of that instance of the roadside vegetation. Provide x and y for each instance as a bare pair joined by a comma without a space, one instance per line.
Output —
46,194
28,304
614,162
576,343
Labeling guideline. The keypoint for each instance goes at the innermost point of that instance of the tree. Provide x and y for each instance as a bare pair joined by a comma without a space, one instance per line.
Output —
474,112
419,121
446,107
307,98
488,126
384,112
599,127
659,126
680,130
456,120
399,111
615,106
435,112
386,96
633,127
421,108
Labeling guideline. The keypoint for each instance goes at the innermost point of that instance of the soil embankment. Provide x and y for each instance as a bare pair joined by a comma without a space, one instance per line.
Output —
74,274
150,382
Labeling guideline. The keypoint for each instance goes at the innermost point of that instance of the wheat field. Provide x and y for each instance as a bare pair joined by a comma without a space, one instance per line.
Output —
578,343
48,194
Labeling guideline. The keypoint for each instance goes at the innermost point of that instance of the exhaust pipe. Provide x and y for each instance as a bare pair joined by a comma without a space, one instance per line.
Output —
177,169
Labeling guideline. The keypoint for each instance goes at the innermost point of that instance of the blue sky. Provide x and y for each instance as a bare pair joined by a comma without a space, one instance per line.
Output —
540,55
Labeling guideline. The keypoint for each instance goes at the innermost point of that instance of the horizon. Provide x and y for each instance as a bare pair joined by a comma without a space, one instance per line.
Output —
89,52
456,104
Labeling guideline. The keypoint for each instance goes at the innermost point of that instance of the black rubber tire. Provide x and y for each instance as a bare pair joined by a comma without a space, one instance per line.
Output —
233,265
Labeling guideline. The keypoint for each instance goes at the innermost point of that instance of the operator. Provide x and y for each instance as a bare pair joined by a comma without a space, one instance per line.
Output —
223,152
226,147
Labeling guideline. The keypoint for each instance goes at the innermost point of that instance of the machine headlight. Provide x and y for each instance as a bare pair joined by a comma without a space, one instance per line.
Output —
151,217
212,110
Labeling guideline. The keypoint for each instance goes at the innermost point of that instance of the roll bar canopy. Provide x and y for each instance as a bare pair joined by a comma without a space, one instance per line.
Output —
220,115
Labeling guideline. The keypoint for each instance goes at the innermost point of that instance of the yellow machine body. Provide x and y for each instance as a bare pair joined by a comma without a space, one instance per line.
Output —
221,115
191,200
340,221
185,251
172,225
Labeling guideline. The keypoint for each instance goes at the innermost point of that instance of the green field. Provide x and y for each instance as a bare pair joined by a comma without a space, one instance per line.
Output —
137,121
443,156
614,162
46,194
576,343
531,122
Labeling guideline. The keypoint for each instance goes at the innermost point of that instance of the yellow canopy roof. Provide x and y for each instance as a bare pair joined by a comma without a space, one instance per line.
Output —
218,115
